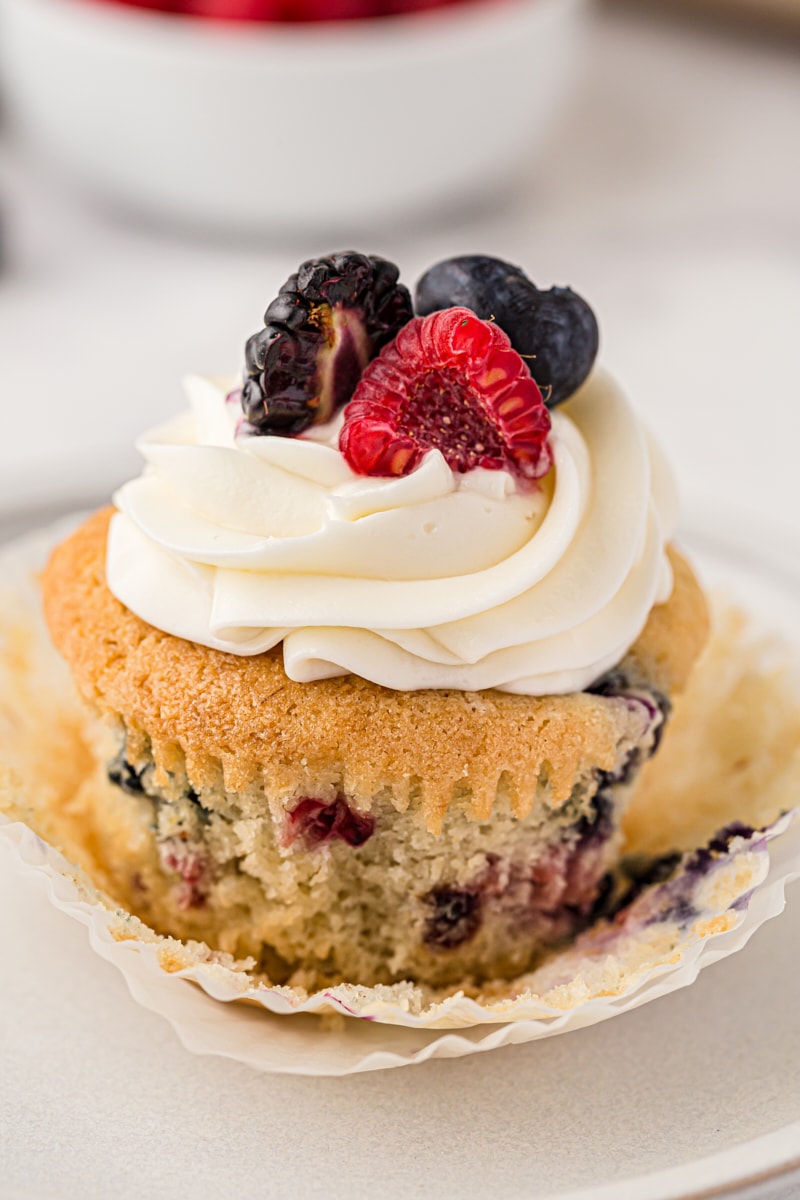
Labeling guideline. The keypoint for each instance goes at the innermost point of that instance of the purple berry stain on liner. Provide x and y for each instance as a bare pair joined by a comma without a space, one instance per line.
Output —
672,878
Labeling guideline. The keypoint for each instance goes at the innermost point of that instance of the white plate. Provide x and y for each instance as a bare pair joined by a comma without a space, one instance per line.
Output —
694,1091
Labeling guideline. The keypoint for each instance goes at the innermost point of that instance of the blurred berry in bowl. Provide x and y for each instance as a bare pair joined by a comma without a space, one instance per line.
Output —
286,10
301,125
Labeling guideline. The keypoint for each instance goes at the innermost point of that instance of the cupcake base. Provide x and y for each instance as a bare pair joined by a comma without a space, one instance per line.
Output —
339,830
654,943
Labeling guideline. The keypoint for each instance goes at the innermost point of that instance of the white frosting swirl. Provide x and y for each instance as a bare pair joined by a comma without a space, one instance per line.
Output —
432,580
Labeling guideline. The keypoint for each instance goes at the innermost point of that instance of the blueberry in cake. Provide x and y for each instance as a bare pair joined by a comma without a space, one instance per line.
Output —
380,640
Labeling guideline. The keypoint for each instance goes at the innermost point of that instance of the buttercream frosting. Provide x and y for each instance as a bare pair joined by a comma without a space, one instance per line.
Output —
431,580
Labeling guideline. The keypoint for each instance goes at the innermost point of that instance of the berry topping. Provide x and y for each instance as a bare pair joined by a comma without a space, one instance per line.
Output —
316,822
448,382
326,323
554,331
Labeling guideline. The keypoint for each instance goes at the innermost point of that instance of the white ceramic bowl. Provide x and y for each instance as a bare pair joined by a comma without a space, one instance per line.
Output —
277,128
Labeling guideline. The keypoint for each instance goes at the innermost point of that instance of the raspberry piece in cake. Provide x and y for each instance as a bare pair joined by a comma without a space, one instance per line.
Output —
452,383
315,822
188,860
233,10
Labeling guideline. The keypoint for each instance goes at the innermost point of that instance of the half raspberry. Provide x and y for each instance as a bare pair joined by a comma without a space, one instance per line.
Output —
448,382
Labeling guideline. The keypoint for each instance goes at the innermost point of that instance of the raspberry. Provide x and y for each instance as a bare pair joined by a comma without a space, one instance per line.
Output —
233,10
449,382
126,776
327,10
327,322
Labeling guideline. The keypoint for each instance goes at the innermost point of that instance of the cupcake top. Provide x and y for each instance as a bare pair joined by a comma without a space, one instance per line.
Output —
390,496
193,709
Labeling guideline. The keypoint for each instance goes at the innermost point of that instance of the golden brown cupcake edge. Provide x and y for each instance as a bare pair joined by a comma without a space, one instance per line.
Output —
191,706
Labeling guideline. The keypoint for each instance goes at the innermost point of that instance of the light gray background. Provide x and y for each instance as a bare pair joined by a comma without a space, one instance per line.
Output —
675,209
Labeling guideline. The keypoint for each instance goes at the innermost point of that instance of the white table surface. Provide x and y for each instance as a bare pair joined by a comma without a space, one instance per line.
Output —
670,196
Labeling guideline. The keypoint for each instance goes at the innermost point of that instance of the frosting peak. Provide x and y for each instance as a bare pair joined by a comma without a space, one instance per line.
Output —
431,580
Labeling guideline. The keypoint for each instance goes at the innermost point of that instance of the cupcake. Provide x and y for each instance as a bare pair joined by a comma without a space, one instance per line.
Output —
380,640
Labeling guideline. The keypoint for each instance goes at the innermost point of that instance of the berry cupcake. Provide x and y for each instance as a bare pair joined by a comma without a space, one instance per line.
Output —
382,636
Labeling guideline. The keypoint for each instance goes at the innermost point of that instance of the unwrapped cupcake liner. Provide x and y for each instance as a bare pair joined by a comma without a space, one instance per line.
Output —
704,913
690,911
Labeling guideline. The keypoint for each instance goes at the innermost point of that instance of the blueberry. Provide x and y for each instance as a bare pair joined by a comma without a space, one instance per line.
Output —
554,331
645,871
125,776
476,282
598,824
613,683
641,873
603,902
736,829
616,684
455,917
665,704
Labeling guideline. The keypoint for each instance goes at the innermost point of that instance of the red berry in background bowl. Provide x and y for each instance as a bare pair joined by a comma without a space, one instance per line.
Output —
285,10
453,383
163,6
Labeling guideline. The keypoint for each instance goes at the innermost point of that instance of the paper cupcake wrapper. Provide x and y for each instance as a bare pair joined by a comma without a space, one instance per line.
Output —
656,949
705,909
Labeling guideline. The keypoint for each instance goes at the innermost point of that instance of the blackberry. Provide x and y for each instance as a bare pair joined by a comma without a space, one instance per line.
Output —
554,331
326,323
